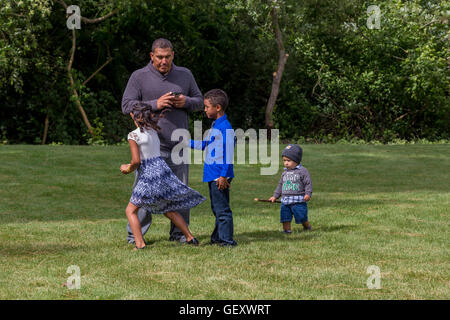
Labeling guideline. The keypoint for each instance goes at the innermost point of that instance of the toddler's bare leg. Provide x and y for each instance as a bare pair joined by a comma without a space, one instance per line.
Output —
306,225
286,226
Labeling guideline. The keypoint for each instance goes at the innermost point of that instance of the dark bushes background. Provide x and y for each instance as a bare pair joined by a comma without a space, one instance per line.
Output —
342,80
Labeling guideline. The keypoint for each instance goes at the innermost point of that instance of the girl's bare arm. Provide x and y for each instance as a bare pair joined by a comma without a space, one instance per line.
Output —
135,159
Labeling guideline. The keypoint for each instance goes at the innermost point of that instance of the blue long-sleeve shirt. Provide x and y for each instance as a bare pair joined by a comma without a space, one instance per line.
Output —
219,150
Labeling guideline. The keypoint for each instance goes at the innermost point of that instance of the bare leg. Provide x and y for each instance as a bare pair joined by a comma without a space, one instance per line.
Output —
306,225
286,226
179,222
131,212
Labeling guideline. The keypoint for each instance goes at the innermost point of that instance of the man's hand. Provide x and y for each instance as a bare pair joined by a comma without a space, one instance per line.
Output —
179,101
165,101
306,197
222,183
272,199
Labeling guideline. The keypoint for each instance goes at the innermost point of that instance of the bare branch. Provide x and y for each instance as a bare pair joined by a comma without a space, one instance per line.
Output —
97,71
72,85
72,52
431,22
72,56
44,136
283,56
87,20
277,31
318,81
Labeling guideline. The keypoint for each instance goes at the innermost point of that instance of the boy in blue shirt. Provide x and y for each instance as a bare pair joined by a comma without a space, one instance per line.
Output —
218,167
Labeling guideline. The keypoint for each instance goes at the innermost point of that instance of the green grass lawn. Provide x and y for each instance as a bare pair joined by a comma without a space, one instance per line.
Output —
386,206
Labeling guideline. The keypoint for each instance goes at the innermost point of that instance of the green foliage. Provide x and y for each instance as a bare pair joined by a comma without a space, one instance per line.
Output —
21,22
342,80
380,84
98,136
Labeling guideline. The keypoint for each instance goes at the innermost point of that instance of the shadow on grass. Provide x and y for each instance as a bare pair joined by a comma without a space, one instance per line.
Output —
264,236
297,234
30,249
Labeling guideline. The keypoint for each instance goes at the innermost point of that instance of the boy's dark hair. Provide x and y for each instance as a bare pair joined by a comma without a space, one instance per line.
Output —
161,43
145,117
217,96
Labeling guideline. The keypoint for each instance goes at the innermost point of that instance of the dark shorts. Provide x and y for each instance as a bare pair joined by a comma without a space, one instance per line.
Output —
298,210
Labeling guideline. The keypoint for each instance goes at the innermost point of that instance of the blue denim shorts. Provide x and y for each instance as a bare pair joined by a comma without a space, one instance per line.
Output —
298,210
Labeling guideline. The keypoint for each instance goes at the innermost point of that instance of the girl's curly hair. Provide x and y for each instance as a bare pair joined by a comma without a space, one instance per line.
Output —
145,117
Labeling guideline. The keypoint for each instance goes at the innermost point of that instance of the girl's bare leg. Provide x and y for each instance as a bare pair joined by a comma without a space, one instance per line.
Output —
178,221
131,212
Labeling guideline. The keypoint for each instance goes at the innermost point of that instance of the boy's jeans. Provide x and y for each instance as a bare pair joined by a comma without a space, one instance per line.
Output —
220,205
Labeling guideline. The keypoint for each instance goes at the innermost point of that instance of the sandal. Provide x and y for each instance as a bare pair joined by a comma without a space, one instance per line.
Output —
193,241
136,248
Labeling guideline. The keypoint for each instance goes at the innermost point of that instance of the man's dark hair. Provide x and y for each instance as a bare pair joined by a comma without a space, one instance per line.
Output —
217,96
161,43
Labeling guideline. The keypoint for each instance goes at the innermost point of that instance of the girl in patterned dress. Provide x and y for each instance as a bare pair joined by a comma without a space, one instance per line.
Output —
156,189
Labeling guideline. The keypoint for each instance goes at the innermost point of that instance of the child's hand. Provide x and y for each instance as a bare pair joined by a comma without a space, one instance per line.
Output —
125,168
306,197
272,199
222,183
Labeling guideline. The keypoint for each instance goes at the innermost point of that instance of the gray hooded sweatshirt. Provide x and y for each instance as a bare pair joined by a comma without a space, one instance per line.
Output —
148,84
294,182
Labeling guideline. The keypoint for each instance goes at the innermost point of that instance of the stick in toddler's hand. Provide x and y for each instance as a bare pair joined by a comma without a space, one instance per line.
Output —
264,200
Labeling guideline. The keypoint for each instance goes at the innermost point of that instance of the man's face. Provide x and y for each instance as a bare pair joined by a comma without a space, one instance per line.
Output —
210,110
162,59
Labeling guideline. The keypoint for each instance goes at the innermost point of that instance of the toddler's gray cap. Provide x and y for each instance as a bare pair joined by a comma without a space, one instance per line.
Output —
293,152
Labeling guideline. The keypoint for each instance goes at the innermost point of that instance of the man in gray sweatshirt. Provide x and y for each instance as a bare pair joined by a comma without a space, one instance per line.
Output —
164,85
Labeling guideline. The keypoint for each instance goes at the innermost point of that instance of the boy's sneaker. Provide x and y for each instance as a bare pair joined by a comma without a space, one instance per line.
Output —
287,231
228,245
307,228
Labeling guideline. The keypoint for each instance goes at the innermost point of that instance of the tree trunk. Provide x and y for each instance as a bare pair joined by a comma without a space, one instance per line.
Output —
283,56
44,137
69,66
72,85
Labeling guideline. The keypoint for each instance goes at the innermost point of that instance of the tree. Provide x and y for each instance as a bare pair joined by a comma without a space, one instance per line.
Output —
20,24
266,13
72,56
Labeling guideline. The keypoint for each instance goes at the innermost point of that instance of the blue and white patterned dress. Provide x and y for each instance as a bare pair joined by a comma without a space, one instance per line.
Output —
157,188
